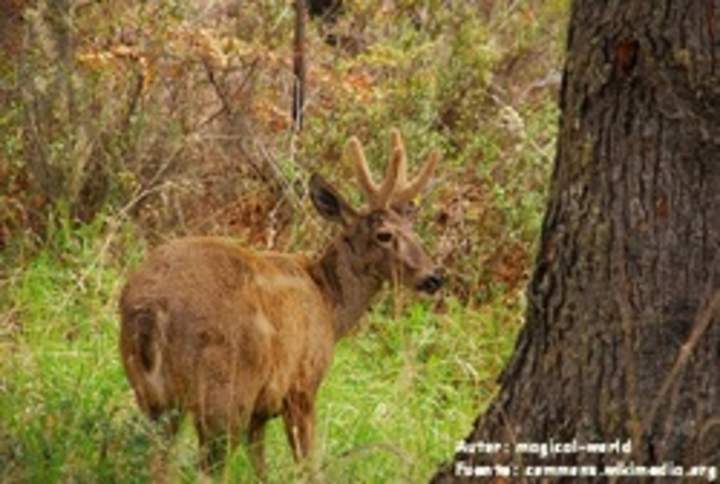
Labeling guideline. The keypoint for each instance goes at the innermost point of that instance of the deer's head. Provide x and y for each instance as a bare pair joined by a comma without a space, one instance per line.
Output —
379,236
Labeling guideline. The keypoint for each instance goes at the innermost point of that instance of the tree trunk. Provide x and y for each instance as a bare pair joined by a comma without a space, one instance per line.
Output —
622,339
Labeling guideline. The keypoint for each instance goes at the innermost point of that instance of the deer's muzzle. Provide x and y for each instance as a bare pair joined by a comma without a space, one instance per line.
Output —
430,284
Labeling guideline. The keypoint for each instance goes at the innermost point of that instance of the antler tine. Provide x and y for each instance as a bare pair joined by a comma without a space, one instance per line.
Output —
421,180
354,148
395,173
397,148
392,176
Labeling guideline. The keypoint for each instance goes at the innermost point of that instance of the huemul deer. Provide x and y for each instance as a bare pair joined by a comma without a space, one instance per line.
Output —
236,337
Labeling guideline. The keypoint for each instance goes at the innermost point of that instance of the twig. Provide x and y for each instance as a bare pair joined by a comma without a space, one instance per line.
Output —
234,95
222,96
134,100
702,322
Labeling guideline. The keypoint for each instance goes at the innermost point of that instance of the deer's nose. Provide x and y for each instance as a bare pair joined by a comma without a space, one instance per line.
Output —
432,283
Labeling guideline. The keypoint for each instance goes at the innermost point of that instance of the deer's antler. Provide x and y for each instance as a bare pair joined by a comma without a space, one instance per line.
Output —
395,189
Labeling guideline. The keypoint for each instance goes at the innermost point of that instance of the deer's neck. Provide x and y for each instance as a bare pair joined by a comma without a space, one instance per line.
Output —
346,282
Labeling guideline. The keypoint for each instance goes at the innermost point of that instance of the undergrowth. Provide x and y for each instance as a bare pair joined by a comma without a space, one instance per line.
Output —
170,122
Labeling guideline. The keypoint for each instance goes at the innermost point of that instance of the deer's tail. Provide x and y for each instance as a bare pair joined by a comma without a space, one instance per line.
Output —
142,342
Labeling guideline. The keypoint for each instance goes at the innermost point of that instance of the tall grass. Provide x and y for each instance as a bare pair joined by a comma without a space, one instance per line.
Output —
400,392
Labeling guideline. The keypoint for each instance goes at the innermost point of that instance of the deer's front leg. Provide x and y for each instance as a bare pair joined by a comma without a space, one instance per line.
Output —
256,434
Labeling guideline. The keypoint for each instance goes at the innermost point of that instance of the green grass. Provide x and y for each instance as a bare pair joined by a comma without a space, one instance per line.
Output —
400,393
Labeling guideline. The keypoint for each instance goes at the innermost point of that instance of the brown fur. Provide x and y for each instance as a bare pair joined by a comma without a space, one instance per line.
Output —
235,337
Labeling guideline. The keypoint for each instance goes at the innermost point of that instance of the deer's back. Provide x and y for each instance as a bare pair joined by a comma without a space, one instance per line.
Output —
214,328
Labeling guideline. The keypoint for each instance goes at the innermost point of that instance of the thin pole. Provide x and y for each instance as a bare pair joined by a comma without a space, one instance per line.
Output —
299,68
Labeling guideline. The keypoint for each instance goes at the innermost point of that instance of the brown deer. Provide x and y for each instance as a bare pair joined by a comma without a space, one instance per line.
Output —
236,337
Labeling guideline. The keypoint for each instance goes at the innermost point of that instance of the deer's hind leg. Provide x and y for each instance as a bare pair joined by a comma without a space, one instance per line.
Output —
217,438
168,424
299,418
256,444
219,427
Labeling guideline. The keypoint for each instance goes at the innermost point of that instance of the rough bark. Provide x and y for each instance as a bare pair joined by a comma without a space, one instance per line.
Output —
622,339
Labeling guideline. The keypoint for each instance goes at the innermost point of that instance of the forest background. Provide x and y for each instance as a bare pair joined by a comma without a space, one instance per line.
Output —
125,124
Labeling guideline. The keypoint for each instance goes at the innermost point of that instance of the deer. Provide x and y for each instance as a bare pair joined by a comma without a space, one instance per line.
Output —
235,337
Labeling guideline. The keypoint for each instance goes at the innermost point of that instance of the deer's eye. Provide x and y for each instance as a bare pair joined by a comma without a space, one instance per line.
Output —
384,237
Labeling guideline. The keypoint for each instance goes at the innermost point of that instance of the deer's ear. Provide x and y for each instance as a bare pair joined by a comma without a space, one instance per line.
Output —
329,203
